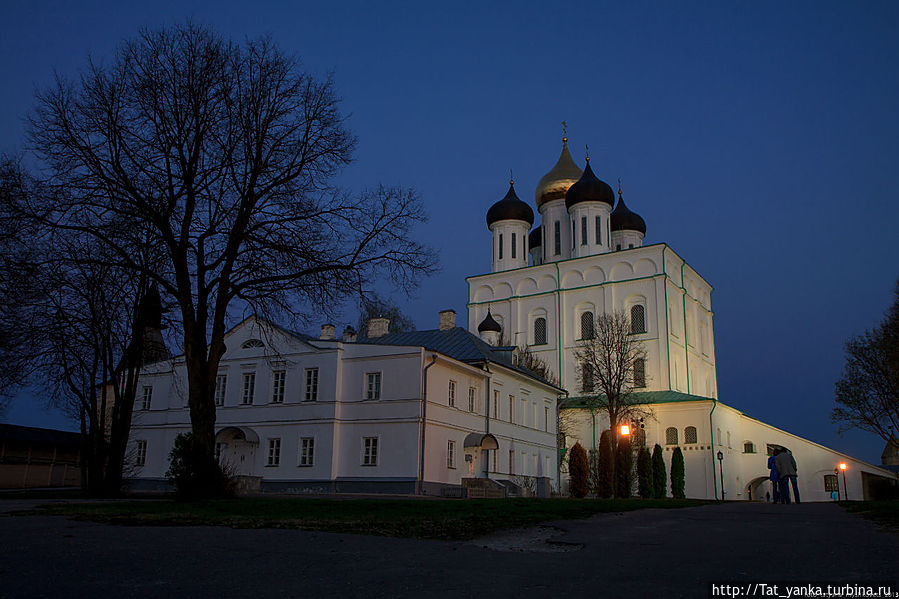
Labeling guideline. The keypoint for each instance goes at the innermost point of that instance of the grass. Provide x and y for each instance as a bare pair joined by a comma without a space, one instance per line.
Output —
885,513
450,519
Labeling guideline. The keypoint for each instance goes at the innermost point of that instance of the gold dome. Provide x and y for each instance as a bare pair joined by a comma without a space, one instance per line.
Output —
556,182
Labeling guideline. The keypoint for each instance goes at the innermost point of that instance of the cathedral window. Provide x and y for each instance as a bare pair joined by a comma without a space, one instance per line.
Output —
638,319
557,238
586,377
670,436
639,372
583,230
500,246
587,325
598,230
690,435
514,244
540,331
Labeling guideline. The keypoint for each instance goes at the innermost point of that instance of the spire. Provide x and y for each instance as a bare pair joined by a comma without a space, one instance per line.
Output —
587,151
564,134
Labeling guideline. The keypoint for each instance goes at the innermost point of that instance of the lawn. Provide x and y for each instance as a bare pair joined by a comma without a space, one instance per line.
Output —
885,513
423,519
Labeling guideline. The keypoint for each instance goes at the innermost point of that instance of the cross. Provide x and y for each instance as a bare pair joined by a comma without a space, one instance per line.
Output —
564,129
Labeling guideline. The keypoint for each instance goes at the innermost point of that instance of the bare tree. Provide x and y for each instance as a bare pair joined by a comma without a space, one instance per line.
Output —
218,157
610,365
867,393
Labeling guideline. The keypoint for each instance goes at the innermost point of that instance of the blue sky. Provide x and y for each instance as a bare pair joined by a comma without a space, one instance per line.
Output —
760,140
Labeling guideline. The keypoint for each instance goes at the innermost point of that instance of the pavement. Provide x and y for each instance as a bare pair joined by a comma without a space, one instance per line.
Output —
645,553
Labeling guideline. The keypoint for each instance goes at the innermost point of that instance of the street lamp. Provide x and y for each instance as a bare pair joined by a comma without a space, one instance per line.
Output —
625,430
843,467
721,470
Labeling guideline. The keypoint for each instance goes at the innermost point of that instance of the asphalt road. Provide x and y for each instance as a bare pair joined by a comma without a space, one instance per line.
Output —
647,553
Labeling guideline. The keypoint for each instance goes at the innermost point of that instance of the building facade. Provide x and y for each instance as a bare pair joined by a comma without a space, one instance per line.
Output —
586,257
396,413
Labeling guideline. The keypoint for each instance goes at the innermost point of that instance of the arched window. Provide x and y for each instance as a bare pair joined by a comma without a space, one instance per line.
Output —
670,436
718,430
587,325
638,319
728,438
690,435
748,447
252,343
639,372
586,377
540,331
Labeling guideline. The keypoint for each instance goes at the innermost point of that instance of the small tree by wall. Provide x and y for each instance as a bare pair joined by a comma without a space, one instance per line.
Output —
606,476
677,474
577,470
644,473
659,476
623,468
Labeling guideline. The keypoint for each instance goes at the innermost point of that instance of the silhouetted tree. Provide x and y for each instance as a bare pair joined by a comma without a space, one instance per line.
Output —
623,468
577,471
606,464
644,474
677,474
218,155
867,393
659,475
380,308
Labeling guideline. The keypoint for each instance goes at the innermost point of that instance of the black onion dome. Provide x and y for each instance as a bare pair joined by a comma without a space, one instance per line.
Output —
589,188
535,238
622,219
489,324
510,208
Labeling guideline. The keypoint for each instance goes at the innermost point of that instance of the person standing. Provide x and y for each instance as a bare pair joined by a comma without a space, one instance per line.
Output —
774,477
786,469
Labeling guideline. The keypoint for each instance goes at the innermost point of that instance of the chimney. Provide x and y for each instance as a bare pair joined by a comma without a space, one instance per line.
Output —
327,331
378,327
447,319
349,334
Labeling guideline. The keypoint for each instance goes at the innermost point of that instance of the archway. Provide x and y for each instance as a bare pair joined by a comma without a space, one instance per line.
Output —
235,448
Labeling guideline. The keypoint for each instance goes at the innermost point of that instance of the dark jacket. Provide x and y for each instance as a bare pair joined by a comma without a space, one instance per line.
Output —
786,465
773,468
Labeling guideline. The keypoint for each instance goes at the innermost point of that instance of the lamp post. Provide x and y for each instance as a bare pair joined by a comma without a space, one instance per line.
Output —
845,490
625,430
721,471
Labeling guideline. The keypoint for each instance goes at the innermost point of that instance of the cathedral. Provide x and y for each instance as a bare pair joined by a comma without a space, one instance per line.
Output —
587,256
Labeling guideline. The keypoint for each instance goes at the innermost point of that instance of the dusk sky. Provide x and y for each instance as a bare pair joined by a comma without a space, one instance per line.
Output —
759,140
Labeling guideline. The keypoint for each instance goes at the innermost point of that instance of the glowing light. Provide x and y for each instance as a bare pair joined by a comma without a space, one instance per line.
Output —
625,429
843,465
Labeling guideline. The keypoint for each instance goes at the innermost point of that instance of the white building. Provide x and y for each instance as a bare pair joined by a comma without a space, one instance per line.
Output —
398,413
586,259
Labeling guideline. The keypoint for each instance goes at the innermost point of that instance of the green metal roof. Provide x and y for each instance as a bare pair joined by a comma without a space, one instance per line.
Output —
638,397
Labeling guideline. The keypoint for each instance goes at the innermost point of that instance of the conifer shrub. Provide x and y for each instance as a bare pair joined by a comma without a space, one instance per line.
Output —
677,474
194,475
659,476
623,468
606,464
577,471
644,473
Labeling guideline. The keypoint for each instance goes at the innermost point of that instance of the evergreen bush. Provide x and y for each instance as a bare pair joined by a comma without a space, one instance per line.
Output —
194,475
623,468
659,476
644,473
577,471
677,474
606,464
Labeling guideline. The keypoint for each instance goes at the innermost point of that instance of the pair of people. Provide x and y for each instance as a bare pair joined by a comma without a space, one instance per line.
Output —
783,476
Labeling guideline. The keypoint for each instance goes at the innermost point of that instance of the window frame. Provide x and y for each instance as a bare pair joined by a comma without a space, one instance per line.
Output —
473,399
221,389
687,434
273,457
671,433
146,397
140,452
639,374
538,340
583,316
376,395
451,454
306,459
557,242
248,392
370,451
311,390
278,387
641,308
451,394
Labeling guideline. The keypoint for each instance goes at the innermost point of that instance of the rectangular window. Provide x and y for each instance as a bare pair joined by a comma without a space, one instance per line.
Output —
583,230
140,457
369,451
523,414
500,246
514,249
451,396
146,397
598,231
472,399
512,408
307,451
831,483
450,454
373,385
511,461
279,377
495,405
311,384
543,241
572,234
274,452
546,419
249,388
557,241
221,384
586,377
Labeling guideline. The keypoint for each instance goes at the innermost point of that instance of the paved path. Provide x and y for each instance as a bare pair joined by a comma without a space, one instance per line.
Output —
647,553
